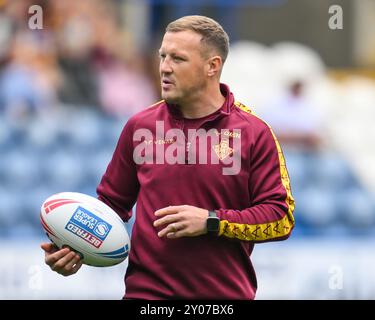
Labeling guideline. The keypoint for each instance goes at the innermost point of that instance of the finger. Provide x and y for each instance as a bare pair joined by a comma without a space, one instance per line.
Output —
173,227
163,232
180,231
175,235
73,270
169,210
69,266
76,267
52,258
61,263
49,247
167,219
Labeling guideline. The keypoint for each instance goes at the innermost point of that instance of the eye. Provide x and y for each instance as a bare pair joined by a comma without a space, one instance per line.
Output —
161,55
178,59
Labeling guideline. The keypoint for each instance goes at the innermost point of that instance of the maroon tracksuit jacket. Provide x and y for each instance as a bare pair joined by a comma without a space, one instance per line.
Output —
254,201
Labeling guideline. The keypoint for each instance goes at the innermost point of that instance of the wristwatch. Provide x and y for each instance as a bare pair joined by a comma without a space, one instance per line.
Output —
213,223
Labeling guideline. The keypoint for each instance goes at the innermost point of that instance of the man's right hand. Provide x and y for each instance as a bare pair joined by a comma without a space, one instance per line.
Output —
65,261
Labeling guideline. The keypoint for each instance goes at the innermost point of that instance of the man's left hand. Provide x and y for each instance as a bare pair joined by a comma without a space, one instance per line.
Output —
181,221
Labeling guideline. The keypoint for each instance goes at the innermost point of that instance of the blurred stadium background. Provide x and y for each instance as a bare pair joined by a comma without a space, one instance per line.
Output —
67,90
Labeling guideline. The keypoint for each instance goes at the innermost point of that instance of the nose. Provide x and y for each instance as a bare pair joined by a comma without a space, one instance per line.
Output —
165,66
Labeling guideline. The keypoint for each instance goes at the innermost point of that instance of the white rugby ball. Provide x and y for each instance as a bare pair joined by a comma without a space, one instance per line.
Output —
88,226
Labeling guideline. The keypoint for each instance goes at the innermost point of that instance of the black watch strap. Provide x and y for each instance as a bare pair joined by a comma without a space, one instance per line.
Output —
212,214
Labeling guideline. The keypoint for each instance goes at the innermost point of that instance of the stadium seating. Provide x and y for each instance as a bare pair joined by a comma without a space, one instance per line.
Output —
44,155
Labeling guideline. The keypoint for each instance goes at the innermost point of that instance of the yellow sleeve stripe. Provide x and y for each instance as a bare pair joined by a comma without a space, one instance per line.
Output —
256,232
265,231
155,104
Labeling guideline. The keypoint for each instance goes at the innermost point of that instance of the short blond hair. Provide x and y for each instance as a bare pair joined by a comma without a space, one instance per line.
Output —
213,34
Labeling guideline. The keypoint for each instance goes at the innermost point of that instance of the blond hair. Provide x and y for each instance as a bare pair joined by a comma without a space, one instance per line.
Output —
213,34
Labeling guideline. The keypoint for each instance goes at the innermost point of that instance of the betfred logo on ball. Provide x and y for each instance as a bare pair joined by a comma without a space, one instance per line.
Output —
88,226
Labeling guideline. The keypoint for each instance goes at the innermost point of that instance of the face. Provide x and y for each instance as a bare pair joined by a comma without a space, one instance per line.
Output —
183,67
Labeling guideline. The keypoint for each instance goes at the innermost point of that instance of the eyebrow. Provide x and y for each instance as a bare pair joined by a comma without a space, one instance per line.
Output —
173,53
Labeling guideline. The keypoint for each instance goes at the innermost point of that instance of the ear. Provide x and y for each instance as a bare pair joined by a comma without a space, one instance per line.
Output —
214,65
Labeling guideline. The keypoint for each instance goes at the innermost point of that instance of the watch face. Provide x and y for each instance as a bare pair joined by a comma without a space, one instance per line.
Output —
213,224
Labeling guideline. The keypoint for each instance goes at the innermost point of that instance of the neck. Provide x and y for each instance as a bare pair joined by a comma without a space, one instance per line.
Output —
203,103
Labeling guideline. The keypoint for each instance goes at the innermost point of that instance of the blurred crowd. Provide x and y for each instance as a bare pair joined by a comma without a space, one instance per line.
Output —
83,56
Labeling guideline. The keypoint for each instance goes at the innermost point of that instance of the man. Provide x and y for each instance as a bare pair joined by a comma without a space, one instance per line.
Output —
303,131
202,204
